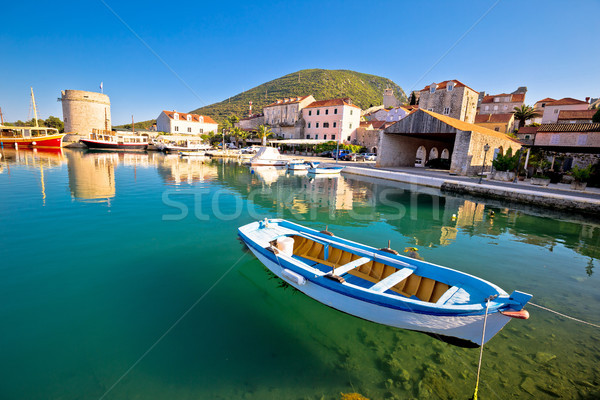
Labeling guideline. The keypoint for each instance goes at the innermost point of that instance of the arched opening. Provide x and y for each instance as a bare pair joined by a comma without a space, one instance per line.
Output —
433,153
445,154
374,150
421,156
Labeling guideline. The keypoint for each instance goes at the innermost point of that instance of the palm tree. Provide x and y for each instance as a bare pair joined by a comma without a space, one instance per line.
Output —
524,113
231,121
238,134
263,132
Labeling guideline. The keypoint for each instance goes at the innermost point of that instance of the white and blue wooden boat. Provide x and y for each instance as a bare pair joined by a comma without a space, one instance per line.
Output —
380,286
300,165
317,169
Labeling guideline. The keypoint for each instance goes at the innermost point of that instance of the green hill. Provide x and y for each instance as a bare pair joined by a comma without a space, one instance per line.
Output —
365,91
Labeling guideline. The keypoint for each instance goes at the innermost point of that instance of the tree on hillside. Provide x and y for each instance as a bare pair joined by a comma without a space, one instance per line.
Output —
596,117
524,113
263,132
231,121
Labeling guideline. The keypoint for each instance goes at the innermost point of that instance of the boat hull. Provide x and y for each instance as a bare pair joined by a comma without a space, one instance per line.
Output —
268,163
50,141
325,171
103,145
469,327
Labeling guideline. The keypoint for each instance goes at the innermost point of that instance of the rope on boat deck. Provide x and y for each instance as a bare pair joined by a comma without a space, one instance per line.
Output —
563,315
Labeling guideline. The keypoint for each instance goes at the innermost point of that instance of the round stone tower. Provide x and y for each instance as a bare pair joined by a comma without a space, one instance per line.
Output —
84,111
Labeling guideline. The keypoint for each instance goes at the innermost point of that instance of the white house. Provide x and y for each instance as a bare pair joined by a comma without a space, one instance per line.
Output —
552,109
327,119
391,115
185,124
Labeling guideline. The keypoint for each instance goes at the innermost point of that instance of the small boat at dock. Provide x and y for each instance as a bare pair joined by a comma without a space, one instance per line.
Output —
318,169
109,140
298,165
267,156
30,137
382,286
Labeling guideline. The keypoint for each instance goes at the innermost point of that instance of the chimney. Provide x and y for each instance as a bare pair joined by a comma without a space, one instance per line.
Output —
587,99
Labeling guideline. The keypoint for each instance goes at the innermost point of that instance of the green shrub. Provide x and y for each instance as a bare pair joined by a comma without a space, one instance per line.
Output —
507,161
581,174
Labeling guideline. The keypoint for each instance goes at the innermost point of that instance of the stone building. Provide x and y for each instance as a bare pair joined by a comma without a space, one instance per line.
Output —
552,109
497,122
389,100
368,134
452,98
327,119
185,124
284,116
84,111
390,115
539,108
576,116
251,123
501,103
425,135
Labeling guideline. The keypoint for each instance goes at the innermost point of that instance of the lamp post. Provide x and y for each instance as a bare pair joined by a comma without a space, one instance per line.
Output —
337,152
485,150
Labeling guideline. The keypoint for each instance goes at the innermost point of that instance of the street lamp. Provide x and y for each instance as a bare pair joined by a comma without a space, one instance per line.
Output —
485,150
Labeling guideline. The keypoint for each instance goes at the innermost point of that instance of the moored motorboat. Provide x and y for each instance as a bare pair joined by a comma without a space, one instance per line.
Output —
318,169
267,156
381,286
108,140
298,165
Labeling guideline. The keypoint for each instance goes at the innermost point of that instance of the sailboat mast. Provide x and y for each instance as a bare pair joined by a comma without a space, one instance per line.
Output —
132,125
1,117
34,109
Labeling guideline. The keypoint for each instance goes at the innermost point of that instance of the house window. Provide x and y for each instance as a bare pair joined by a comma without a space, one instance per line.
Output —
309,125
176,129
189,129
526,136
497,129
430,109
335,110
350,126
543,105
332,137
487,108
505,107
581,140
326,112
496,99
318,112
176,116
556,111
316,125
495,108
309,112
450,86
201,131
325,124
349,137
325,137
446,110
335,124
316,137
432,89
189,117
554,139
308,136
351,112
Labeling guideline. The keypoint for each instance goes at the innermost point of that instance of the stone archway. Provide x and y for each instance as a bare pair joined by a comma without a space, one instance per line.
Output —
445,154
374,150
433,153
421,157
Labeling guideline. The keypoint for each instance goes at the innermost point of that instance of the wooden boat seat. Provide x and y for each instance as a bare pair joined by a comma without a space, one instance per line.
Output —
392,280
343,262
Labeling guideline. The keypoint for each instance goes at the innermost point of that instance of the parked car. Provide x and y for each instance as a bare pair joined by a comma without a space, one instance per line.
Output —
370,157
350,157
325,153
342,154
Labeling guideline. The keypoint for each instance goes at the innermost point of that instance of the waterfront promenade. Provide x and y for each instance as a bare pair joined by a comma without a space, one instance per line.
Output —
555,196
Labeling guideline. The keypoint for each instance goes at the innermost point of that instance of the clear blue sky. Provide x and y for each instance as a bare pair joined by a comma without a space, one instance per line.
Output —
222,48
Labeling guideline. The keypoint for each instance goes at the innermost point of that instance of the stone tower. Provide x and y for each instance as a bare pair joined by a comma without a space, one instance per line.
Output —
389,100
84,111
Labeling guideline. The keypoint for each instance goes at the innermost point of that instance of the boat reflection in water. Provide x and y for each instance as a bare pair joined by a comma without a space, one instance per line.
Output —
176,170
268,174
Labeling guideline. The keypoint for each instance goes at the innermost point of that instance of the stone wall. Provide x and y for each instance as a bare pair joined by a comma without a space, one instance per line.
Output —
473,160
84,111
575,139
368,138
461,101
401,151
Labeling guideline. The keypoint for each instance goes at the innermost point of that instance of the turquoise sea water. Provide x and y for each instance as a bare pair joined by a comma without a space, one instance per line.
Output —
121,276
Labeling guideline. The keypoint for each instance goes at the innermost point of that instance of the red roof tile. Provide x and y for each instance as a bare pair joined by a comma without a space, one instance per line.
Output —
442,85
288,100
493,118
546,100
195,117
514,98
332,102
566,102
576,114
569,128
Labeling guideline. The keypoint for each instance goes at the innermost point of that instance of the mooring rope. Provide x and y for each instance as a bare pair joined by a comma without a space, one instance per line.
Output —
487,306
563,315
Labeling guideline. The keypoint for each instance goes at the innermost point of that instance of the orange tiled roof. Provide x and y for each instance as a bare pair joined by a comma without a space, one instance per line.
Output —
514,98
288,100
442,85
576,114
195,117
332,102
493,118
528,129
569,128
465,126
566,102
546,100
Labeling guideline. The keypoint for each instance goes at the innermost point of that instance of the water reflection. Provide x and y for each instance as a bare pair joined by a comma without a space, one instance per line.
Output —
178,170
92,175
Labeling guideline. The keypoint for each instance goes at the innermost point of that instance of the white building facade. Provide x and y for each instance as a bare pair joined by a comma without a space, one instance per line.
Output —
185,124
335,119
